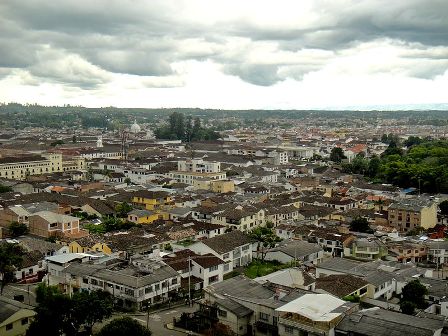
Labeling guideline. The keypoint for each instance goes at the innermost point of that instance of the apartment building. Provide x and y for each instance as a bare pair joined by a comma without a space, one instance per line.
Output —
408,214
190,171
134,285
199,166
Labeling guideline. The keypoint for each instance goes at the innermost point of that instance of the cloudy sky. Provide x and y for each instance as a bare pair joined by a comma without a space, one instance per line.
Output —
225,54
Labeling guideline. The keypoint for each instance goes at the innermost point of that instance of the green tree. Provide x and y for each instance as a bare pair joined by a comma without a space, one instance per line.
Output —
74,314
266,239
413,296
17,229
51,303
412,141
337,154
123,209
393,149
443,206
196,126
360,224
91,307
11,257
360,164
374,166
4,189
188,128
124,326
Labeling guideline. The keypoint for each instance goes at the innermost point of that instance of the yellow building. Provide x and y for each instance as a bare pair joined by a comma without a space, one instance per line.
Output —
152,200
15,317
144,216
19,167
408,214
92,243
223,186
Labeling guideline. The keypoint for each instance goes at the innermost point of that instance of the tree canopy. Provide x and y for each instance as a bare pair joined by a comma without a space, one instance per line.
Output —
76,313
360,224
443,206
11,257
337,154
413,296
17,229
423,166
185,129
266,239
124,326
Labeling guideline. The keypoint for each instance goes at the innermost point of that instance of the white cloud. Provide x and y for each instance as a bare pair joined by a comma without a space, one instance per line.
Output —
224,54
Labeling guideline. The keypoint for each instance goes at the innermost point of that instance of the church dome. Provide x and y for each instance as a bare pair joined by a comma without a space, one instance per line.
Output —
135,128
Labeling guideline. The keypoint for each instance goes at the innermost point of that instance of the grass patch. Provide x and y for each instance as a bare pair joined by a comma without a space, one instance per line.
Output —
259,268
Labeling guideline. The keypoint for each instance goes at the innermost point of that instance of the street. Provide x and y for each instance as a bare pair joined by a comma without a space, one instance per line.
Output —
11,290
157,321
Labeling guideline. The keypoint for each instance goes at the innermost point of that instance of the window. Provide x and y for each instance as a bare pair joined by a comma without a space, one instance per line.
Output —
25,321
213,279
225,256
222,313
174,281
213,268
264,316
85,280
245,248
157,287
129,292
9,326
226,267
148,289
289,329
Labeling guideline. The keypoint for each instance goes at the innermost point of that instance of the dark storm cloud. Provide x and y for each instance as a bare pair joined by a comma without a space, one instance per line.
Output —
90,39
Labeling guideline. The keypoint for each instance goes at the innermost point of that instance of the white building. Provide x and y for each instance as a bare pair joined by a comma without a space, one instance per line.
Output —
234,248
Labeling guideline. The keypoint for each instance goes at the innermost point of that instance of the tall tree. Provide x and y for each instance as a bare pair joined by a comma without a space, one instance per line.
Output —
374,166
188,128
91,307
11,257
74,314
337,154
413,296
266,239
196,127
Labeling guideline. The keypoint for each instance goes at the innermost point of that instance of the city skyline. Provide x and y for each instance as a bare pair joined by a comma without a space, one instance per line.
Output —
226,54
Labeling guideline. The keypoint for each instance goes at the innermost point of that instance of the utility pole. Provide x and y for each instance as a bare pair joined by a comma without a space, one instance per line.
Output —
189,280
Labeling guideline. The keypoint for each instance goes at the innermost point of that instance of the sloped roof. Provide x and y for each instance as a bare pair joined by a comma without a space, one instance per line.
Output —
9,307
340,285
380,322
227,242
